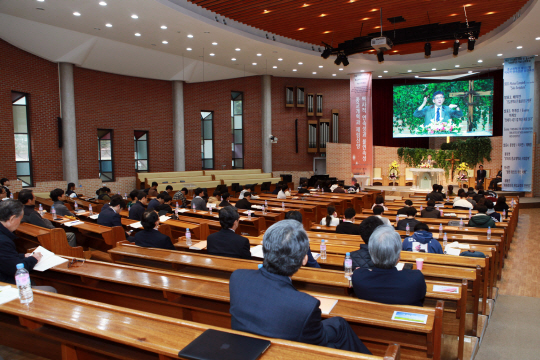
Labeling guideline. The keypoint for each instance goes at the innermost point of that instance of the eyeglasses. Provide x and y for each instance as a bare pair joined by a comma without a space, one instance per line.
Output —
76,262
439,97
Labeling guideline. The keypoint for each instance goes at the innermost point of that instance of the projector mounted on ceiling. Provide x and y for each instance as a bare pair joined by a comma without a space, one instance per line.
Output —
381,43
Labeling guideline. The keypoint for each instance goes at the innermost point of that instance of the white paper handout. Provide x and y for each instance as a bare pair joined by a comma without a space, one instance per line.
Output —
400,266
315,255
446,289
453,251
73,223
136,225
326,305
48,260
257,251
199,246
7,294
417,246
164,218
95,216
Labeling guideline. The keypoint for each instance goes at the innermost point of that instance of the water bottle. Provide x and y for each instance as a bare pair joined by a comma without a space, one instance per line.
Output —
504,213
283,205
266,204
489,233
125,196
442,213
444,241
318,188
11,197
22,278
263,210
323,250
210,210
421,208
129,208
348,265
460,223
470,213
511,202
440,229
259,266
40,210
397,219
76,207
408,230
90,209
188,238
193,207
53,212
249,214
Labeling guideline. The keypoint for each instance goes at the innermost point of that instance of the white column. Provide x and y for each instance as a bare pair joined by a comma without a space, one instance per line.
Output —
69,124
178,126
266,123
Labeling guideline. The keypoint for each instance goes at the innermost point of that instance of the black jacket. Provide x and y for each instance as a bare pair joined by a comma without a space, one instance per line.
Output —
153,204
8,193
502,207
136,211
402,224
9,257
480,174
164,209
31,216
403,210
108,217
348,228
435,196
361,258
227,243
243,204
154,239
303,191
224,203
431,212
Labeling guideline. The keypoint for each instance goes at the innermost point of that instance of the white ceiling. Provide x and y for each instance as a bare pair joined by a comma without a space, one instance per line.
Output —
54,33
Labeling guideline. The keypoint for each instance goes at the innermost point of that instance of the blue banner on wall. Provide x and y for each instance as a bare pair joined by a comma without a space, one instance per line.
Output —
518,123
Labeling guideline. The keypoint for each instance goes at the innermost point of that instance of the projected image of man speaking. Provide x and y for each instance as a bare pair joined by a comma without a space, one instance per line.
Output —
437,112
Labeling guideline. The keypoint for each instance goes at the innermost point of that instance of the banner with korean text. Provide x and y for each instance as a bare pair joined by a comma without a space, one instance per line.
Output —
518,109
361,126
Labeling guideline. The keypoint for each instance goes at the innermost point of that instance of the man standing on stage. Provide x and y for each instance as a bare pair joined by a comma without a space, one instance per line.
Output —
437,112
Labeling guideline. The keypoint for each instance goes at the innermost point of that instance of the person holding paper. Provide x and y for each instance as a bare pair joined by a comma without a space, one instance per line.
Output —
150,236
384,283
11,214
422,241
266,303
227,242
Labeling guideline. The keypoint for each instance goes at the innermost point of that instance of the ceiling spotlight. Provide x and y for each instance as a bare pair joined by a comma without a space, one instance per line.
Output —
333,74
237,49
409,70
137,34
77,13
280,59
41,0
499,54
108,25
456,66
102,3
189,49
314,73
470,43
189,36
274,67
340,69
362,70
380,75
134,16
300,63
214,43
456,48
380,56
320,66
212,54
345,60
259,54
253,63
427,50
338,60
538,38
293,69
163,27
433,69
233,59
385,71
519,47
326,53
164,42
480,60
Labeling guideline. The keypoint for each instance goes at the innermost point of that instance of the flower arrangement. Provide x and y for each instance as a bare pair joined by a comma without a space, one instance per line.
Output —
393,171
439,128
426,166
462,174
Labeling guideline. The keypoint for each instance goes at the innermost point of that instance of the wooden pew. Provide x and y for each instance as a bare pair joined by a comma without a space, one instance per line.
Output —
310,212
54,240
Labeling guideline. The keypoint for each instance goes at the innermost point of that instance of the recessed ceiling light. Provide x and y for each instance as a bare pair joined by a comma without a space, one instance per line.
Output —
164,42
266,11
134,16
320,66
137,34
212,54
416,76
77,13
164,27
380,75
385,71
259,54
253,63
41,0
433,69
364,19
362,70
333,74
538,38
189,49
214,43
314,73
102,3
409,70
323,15
480,60
108,25
293,69
233,59
237,49
280,59
306,5
189,36
275,67
499,54
519,47
503,63
300,29
490,13
340,69
456,65
300,63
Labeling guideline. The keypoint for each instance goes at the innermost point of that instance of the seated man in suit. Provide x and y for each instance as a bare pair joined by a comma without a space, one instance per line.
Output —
430,211
496,180
403,210
150,236
244,203
198,202
226,242
58,196
410,219
265,302
347,226
422,241
110,215
361,258
225,200
31,216
384,283
437,112
296,215
154,203
138,200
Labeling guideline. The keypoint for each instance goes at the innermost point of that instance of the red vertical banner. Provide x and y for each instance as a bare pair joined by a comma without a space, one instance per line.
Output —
361,125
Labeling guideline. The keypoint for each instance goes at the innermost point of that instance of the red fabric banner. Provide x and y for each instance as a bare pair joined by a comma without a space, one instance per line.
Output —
361,125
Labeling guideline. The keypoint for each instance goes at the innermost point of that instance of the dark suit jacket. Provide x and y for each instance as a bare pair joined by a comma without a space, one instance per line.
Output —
224,203
243,204
348,228
303,191
31,216
403,210
228,243
154,239
435,196
390,286
9,258
339,190
108,217
153,204
430,213
199,203
429,113
136,211
481,174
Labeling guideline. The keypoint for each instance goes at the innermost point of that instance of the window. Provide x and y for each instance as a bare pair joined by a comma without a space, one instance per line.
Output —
207,142
237,126
141,151
106,172
21,129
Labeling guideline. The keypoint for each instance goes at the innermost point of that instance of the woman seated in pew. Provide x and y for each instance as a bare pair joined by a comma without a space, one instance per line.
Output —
150,236
70,192
461,202
491,211
450,191
384,283
501,204
225,200
332,218
379,201
104,194
422,241
361,258
430,211
284,192
409,220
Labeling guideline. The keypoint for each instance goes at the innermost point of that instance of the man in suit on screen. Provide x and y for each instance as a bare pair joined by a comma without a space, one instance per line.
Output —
437,112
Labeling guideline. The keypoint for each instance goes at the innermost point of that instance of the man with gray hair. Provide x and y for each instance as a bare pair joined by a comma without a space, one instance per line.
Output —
265,302
383,282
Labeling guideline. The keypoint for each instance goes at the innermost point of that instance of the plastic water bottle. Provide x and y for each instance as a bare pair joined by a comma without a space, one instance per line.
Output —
76,206
193,207
504,213
421,208
22,278
489,233
408,230
283,205
53,212
440,229
90,209
470,213
259,266
249,214
125,196
266,204
444,241
40,210
323,250
348,265
177,207
263,209
11,197
442,213
129,208
460,223
210,210
188,238
318,188
397,219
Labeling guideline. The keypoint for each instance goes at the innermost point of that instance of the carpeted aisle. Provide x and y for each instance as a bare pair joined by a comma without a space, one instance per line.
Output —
514,330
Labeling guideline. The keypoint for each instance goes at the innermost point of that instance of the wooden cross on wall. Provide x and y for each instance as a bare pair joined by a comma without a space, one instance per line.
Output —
468,99
452,160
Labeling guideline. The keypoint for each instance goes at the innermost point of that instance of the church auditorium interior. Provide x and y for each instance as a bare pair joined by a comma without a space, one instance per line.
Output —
314,179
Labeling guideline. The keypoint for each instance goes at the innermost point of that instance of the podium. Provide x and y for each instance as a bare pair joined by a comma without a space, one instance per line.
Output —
426,178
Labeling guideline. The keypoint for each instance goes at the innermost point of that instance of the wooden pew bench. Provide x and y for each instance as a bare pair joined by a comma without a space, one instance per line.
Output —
54,240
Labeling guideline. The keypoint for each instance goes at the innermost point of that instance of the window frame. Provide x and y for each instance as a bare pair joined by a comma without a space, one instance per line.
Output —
28,133
113,178
202,141
232,131
147,152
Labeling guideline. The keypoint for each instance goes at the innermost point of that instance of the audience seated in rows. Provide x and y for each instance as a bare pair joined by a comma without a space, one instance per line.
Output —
58,197
244,203
435,194
481,220
430,211
198,202
501,204
422,241
4,184
70,192
154,203
150,235
181,195
296,215
361,258
379,211
214,199
284,192
138,200
461,202
379,201
410,219
327,186
331,218
383,282
347,226
278,188
491,211
266,303
226,242
152,191
104,194
225,200
403,210
303,189
338,189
